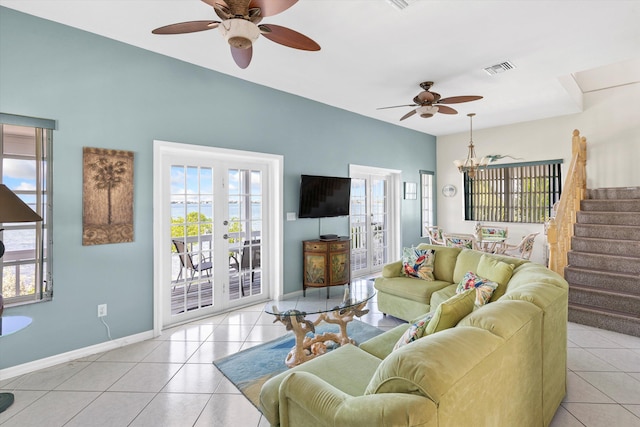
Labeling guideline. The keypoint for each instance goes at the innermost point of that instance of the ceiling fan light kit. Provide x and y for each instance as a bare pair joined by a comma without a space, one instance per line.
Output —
239,33
427,111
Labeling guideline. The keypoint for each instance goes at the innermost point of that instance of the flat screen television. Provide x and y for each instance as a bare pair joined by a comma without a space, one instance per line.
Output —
324,196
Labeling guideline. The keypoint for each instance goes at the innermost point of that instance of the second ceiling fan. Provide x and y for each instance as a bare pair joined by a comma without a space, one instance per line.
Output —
428,103
240,26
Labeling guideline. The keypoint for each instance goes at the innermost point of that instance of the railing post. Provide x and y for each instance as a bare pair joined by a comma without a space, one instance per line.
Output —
552,240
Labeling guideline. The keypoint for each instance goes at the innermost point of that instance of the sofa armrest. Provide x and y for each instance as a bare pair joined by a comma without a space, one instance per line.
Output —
393,269
306,399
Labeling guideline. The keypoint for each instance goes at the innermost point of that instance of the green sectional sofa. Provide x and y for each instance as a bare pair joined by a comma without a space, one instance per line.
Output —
503,364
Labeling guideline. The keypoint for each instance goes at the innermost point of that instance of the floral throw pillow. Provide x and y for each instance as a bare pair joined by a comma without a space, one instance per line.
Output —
415,331
418,263
484,287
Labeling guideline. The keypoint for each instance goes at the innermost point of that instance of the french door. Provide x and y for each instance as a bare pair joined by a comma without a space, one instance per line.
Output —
216,220
372,231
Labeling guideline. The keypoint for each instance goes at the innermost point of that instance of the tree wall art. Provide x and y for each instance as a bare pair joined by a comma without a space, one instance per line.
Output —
107,196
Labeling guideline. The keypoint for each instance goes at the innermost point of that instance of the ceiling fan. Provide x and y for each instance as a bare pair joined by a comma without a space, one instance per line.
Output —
240,26
428,103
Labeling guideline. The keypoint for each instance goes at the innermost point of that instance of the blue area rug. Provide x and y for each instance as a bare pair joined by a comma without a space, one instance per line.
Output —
251,368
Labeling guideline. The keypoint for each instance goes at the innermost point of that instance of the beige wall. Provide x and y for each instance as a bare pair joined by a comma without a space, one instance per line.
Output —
610,122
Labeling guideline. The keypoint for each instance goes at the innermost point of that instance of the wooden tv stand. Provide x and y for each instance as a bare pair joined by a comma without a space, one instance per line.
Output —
326,263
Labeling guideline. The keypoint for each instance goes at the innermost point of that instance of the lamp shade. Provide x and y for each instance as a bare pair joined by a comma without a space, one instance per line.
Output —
13,209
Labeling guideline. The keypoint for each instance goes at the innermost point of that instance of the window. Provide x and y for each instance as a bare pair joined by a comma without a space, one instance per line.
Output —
523,192
427,213
25,149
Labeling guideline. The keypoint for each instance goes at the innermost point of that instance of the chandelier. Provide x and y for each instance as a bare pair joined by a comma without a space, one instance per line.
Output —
471,164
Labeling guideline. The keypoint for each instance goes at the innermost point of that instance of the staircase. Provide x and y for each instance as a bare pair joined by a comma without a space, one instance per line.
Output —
603,268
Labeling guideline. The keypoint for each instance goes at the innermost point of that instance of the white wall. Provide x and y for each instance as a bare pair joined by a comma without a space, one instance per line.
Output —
610,122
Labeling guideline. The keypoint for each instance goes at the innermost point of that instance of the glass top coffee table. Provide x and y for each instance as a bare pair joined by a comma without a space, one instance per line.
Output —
333,304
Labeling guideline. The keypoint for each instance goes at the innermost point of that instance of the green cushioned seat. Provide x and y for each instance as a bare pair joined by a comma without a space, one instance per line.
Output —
415,289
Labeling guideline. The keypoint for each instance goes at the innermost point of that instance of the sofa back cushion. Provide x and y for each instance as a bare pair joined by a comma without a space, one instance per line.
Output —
497,271
450,312
446,316
445,261
469,260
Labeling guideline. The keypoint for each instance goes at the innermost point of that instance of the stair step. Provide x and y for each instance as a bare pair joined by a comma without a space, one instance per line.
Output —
604,319
606,231
606,246
621,264
612,301
606,280
617,205
614,193
610,218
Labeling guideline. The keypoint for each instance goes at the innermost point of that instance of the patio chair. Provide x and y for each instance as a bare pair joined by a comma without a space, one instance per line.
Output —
488,230
489,236
460,240
249,262
435,235
186,262
521,250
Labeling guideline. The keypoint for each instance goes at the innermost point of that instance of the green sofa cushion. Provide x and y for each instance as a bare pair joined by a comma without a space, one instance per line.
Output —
495,270
382,345
446,316
450,312
410,288
445,261
442,295
468,260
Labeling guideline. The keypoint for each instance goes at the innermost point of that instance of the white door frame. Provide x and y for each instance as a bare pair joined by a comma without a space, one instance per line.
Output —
164,150
395,190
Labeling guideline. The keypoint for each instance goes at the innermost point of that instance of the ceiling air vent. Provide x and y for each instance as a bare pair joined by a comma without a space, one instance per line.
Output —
500,68
400,4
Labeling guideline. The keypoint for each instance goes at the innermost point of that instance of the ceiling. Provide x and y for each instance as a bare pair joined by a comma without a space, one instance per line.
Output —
376,55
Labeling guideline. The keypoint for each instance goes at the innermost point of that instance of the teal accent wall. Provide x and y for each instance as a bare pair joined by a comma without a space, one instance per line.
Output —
106,94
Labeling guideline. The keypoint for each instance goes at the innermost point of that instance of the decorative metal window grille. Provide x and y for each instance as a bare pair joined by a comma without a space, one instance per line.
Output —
523,192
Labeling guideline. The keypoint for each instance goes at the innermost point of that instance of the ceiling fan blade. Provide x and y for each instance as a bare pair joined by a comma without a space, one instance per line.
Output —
287,37
445,110
409,114
272,7
459,99
186,27
396,106
242,57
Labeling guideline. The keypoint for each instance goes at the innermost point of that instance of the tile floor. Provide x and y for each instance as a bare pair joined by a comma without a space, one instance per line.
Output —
170,380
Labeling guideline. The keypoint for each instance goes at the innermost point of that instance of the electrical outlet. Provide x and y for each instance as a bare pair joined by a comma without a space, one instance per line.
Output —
102,310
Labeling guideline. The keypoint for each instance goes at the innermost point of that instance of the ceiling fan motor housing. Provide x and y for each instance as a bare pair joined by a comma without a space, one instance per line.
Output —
239,33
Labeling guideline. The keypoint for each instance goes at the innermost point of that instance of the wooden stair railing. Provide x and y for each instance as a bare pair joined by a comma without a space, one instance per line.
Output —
560,227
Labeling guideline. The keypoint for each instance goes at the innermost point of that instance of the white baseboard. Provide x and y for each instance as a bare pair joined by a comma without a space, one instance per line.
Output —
47,362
